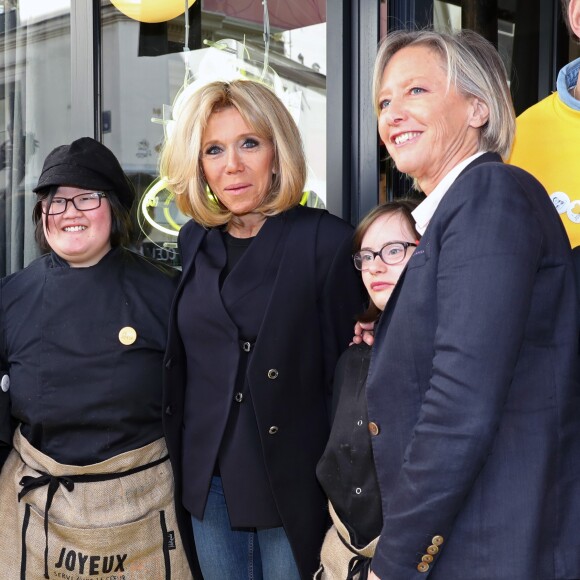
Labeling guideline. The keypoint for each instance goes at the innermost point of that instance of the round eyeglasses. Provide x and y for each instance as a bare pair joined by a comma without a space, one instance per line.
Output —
82,202
391,253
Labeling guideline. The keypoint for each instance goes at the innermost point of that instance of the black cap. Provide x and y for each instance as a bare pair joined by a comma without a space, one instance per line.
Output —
88,164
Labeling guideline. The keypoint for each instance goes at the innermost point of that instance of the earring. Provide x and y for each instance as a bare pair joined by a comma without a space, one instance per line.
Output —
211,195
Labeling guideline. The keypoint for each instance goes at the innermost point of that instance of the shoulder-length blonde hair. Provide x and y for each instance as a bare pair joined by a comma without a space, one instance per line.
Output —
265,113
473,67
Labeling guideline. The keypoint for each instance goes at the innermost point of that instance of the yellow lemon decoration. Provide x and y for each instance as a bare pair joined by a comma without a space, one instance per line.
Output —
152,10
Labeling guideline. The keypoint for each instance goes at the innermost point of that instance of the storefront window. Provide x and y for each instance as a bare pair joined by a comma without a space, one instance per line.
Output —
144,67
528,37
35,107
448,16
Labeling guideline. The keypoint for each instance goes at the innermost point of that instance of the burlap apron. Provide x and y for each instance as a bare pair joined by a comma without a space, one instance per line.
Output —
114,520
339,559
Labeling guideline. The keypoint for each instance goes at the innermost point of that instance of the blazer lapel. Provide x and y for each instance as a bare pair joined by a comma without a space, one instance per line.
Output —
190,238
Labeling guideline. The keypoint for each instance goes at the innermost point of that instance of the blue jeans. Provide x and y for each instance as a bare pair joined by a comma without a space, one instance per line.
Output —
226,554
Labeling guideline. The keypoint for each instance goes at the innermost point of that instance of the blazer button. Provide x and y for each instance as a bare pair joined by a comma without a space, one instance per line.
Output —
273,430
427,558
437,540
373,429
432,549
239,397
423,567
168,410
5,383
272,374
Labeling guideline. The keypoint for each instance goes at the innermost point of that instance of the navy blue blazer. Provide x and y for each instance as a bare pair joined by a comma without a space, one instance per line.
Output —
307,322
474,386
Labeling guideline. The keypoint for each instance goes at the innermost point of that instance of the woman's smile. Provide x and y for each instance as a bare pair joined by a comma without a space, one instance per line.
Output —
426,124
81,238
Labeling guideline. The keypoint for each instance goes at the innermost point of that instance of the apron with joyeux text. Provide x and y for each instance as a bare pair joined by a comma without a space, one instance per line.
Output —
114,520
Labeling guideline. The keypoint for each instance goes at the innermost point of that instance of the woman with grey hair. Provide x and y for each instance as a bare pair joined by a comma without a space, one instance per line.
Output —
472,392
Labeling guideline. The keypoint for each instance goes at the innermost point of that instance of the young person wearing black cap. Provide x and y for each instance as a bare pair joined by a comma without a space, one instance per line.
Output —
87,488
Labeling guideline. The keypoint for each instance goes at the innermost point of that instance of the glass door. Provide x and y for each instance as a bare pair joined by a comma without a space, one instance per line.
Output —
35,104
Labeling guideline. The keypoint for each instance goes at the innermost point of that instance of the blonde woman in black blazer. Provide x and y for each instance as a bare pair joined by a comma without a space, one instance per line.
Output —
265,306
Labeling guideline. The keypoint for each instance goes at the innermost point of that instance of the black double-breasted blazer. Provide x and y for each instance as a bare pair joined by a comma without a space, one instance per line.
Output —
306,323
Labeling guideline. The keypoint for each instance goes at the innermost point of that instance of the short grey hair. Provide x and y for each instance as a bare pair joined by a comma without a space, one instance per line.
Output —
473,67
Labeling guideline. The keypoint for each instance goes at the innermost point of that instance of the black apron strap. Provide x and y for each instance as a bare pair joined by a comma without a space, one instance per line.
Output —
360,565
25,522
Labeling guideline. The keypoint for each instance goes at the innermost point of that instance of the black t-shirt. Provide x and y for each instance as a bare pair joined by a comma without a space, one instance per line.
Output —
235,248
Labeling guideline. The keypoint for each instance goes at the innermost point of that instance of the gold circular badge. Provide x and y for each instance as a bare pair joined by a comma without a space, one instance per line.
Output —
127,335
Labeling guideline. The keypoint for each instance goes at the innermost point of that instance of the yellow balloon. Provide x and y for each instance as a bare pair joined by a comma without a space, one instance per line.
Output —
152,10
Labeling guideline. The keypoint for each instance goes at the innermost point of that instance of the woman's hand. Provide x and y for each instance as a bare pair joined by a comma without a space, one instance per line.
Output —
364,332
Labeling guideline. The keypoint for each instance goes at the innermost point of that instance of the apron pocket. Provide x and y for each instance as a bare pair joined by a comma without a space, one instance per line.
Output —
137,550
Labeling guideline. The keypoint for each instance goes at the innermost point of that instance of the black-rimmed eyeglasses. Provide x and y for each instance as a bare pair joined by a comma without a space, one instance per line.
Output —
391,253
82,202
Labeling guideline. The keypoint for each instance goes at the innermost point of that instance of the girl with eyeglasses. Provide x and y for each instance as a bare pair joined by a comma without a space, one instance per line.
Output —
384,241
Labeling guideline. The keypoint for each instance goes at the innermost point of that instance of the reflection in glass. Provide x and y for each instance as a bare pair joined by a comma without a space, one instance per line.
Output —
35,93
229,41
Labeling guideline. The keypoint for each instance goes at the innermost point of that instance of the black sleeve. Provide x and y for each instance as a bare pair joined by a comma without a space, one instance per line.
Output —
6,427
576,261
